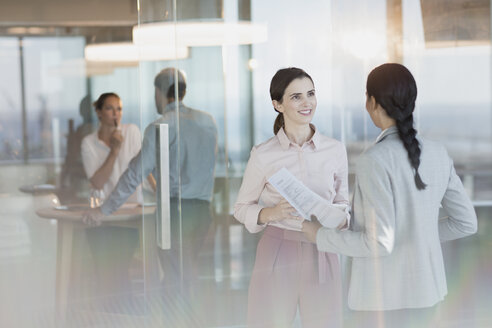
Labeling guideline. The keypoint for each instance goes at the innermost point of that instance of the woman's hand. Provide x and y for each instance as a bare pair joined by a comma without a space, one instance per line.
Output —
93,217
116,140
310,228
283,210
343,224
103,173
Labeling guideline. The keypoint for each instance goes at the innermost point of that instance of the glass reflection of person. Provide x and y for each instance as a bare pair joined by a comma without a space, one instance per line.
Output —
105,156
191,175
289,271
73,180
397,274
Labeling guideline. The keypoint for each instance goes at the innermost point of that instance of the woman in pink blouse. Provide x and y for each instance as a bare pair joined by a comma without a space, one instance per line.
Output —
289,271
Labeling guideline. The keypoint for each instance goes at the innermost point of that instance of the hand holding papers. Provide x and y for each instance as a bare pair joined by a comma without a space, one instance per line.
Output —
305,201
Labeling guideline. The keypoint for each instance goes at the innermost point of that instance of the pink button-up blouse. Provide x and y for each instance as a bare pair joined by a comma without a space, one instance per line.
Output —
320,163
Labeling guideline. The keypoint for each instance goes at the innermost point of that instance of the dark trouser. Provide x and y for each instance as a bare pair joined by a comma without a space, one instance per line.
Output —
404,318
181,264
112,249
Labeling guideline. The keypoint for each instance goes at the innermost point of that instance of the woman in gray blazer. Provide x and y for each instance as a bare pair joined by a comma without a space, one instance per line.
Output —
397,273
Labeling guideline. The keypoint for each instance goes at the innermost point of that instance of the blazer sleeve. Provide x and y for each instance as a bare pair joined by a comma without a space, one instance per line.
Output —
373,202
341,184
246,208
461,218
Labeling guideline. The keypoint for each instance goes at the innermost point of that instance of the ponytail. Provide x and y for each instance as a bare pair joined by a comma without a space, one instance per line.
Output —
279,123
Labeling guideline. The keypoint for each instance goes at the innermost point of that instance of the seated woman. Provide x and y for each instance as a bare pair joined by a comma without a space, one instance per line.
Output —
105,156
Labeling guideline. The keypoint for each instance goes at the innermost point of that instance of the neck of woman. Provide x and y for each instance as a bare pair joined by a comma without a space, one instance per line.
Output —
104,133
387,124
299,134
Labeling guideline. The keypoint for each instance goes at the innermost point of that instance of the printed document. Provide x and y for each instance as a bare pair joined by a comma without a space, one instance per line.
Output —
307,202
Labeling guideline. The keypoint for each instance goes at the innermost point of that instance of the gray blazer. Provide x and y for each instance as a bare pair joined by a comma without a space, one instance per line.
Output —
395,236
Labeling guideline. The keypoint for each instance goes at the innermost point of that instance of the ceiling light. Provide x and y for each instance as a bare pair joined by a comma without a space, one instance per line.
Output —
79,67
129,52
189,34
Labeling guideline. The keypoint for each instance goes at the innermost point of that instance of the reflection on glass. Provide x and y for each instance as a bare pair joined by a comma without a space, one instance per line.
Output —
11,147
45,76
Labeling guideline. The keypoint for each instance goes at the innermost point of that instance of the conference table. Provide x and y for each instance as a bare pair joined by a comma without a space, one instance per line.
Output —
69,218
36,189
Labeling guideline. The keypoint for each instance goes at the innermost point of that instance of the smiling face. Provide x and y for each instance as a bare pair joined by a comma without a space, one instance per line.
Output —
111,111
298,102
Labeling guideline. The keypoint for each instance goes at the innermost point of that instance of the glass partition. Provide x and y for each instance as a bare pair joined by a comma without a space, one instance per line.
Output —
12,133
454,105
338,44
173,255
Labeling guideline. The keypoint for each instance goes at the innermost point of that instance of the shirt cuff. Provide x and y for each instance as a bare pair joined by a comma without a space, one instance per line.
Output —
347,224
251,222
347,211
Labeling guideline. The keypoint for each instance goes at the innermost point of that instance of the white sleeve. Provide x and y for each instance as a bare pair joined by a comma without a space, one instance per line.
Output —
135,139
89,158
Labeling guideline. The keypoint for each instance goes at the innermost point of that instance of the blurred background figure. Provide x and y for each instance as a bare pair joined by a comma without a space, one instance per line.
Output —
192,153
105,156
192,157
107,152
73,180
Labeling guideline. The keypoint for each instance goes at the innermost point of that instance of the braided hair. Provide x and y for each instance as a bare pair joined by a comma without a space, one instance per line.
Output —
394,88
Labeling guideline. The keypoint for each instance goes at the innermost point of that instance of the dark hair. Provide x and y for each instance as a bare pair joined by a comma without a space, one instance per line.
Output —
394,88
165,82
99,103
181,91
280,82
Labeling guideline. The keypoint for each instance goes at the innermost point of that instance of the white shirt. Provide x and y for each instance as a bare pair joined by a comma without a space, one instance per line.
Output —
94,153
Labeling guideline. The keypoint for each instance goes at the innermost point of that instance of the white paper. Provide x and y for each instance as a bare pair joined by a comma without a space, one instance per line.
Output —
305,201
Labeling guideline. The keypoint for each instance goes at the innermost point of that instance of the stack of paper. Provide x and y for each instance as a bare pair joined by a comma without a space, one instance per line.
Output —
307,202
